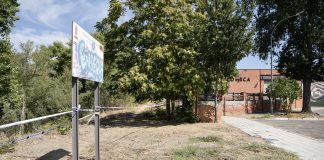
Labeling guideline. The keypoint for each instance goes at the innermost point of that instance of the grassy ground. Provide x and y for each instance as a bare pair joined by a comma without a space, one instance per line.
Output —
130,135
214,147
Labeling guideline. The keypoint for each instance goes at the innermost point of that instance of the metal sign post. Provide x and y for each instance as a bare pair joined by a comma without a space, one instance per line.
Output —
87,63
97,120
75,117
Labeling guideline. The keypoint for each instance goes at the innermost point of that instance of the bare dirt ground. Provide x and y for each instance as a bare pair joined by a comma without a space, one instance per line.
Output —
126,135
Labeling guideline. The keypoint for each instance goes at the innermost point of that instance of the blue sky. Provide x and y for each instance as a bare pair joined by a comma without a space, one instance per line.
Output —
46,21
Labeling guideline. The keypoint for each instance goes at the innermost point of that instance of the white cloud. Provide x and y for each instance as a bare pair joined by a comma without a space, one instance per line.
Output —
46,21
56,14
93,12
38,37
46,12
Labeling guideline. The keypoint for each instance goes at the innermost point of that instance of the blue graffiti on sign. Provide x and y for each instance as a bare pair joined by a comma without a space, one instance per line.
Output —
91,65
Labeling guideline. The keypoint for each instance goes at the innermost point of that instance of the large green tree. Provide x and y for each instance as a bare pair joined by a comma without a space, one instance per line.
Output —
174,49
226,38
8,10
297,30
155,50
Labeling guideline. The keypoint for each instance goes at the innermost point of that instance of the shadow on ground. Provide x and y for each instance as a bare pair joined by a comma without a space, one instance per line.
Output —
54,155
130,119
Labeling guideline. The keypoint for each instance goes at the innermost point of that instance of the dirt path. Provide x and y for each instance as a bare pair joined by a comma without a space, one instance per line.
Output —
125,136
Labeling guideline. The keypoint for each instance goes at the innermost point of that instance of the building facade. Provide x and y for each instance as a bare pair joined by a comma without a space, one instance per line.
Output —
256,82
252,81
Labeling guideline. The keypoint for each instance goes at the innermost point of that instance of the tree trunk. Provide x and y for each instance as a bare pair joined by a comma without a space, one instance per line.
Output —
172,106
306,96
216,94
168,110
185,102
196,105
22,116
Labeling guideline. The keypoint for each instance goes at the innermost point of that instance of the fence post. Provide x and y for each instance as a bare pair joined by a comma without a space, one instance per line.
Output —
75,117
97,120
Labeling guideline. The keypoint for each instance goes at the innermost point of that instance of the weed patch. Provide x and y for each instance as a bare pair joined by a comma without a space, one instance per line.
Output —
209,139
7,148
265,116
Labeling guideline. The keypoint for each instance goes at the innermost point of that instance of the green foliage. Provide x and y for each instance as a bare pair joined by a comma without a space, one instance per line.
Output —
185,153
226,37
7,148
258,147
215,139
287,89
265,116
63,130
34,91
161,114
161,52
61,58
8,82
185,114
8,11
5,67
298,39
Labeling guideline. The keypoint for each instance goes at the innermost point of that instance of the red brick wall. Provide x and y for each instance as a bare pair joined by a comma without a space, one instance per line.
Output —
206,113
252,83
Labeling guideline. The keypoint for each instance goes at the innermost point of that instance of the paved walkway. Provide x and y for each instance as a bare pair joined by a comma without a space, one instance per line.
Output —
306,148
309,128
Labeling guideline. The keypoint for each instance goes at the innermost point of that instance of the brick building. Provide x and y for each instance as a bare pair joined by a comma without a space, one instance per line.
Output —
252,85
252,81
246,94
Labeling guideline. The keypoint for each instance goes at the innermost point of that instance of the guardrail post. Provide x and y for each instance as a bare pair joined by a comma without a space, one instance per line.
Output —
97,120
75,117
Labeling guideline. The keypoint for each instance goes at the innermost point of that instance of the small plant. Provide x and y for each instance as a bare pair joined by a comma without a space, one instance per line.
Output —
7,148
185,153
185,114
258,147
147,114
63,130
289,115
160,113
209,139
265,116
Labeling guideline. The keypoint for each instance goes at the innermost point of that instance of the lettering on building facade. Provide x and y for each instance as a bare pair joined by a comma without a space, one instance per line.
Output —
241,79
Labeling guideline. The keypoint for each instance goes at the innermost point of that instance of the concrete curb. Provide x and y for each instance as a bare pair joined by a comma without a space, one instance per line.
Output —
300,119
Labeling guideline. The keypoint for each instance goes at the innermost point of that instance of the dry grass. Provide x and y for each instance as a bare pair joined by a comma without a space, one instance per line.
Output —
129,135
227,147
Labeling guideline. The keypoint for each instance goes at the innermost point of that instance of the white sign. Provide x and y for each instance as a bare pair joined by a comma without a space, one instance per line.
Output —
87,55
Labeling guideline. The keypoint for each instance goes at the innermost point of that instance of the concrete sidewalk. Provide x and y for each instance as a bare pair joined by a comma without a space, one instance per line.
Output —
319,110
305,147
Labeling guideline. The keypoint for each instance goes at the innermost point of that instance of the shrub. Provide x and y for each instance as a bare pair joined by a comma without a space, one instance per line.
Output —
161,114
185,114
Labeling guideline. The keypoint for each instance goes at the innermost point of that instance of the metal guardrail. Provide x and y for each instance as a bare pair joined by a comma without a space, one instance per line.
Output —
33,120
63,113
159,105
35,135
